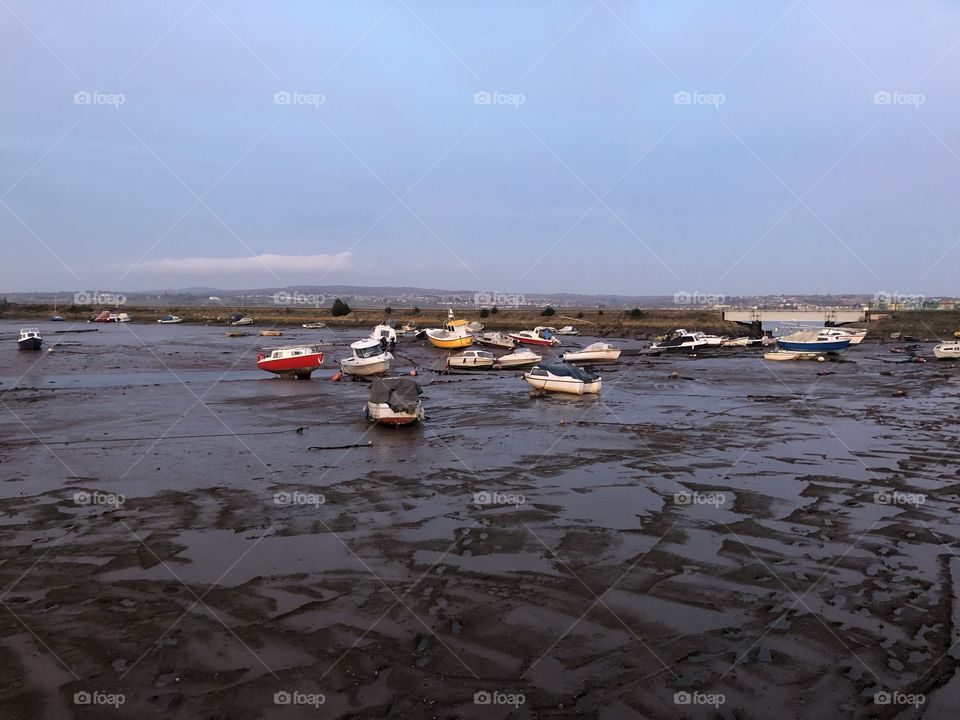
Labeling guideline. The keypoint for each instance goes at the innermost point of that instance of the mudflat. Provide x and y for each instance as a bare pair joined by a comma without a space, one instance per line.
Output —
185,536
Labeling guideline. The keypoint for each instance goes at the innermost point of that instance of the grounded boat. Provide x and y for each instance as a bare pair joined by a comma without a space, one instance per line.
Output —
394,401
57,318
239,320
854,335
314,325
453,335
521,357
556,377
947,351
121,318
792,355
495,340
170,320
596,353
271,333
568,330
237,333
472,360
368,359
812,341
748,342
537,336
409,329
104,317
296,360
30,339
682,341
384,332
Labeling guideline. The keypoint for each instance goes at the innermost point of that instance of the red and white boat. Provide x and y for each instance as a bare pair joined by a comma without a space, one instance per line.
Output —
537,336
296,360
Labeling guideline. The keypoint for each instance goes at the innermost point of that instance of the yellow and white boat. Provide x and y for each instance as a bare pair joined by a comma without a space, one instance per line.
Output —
454,334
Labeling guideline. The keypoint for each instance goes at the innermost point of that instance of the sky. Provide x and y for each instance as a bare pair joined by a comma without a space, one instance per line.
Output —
752,147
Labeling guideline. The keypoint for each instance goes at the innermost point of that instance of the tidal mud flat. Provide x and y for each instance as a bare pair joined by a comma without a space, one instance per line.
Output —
712,537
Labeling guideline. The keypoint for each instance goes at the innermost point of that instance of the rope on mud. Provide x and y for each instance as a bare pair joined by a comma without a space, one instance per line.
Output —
298,430
368,443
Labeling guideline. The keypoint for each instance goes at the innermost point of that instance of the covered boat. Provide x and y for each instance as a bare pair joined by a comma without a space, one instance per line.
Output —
394,401
596,353
556,377
368,359
568,330
30,339
239,320
471,360
296,360
521,357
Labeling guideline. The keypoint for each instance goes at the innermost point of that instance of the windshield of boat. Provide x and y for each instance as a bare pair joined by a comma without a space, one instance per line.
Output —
367,352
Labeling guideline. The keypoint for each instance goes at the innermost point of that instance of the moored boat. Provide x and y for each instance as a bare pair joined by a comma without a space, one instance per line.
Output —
568,330
170,320
537,336
297,360
57,318
947,351
521,357
454,334
556,377
812,341
314,325
368,359
682,342
238,320
271,333
597,352
495,340
745,341
792,355
384,332
471,360
394,401
30,339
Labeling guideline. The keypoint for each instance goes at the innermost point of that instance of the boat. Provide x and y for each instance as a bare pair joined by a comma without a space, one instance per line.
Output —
121,318
854,335
521,357
471,360
314,326
409,329
384,332
568,330
296,360
595,353
57,318
812,341
682,342
792,355
394,401
238,320
368,359
556,377
170,320
453,335
495,340
237,333
271,333
30,339
745,341
947,350
103,317
475,327
537,336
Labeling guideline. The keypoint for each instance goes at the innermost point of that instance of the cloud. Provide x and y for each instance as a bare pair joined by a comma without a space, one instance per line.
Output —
253,264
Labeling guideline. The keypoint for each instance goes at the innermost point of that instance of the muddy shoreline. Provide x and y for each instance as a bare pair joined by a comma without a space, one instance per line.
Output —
716,533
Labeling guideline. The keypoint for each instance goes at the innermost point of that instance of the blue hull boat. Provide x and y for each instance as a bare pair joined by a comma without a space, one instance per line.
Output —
813,346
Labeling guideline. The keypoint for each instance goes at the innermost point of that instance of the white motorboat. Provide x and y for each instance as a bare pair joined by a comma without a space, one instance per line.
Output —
947,351
314,325
368,359
568,330
682,342
394,401
854,335
495,340
598,352
560,378
170,320
29,339
238,320
409,329
521,357
471,360
792,355
745,341
385,332
537,336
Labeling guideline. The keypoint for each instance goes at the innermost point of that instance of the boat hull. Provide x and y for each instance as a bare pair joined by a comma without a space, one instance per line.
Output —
507,363
814,347
350,366
382,413
470,363
534,341
497,345
450,343
301,366
591,357
948,352
569,386
30,343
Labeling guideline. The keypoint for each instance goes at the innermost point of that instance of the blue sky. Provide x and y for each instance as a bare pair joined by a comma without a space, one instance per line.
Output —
745,147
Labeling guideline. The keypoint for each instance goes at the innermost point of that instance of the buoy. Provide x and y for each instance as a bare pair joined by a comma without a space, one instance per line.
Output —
336,376
674,375
821,358
413,373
